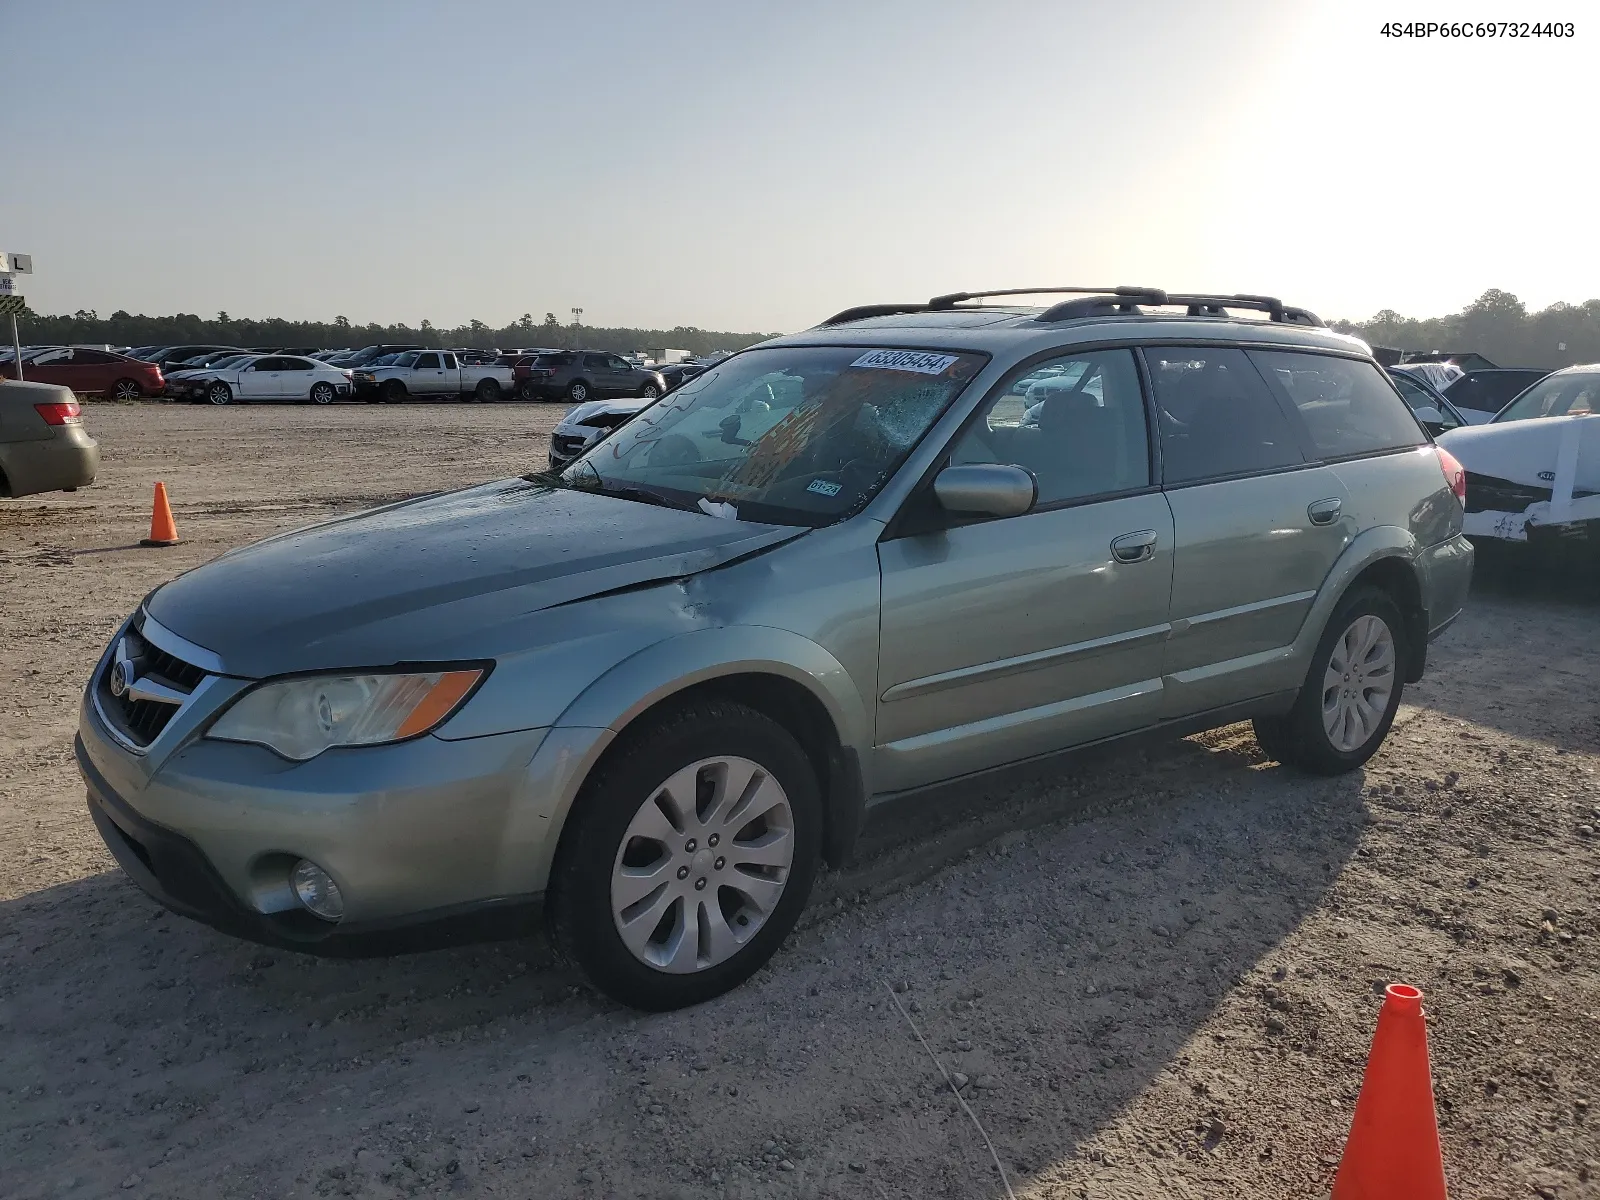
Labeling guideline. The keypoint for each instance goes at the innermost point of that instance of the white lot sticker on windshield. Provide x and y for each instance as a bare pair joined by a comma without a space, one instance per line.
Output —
825,487
920,361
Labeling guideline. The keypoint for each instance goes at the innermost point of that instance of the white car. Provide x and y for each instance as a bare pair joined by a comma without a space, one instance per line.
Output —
264,377
1438,375
1533,473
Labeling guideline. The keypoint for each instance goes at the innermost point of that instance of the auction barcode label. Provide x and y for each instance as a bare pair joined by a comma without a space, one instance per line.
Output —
920,361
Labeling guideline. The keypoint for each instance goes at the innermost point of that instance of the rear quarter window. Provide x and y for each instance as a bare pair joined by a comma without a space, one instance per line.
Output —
1347,405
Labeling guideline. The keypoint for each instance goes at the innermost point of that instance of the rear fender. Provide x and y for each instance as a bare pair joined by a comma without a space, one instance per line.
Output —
1369,549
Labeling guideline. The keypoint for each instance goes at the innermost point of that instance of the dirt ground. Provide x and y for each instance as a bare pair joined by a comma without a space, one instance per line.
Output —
1157,969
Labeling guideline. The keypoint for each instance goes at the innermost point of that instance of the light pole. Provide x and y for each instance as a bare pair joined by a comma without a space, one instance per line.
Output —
577,316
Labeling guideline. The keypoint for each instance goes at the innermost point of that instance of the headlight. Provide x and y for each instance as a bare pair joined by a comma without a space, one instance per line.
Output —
300,718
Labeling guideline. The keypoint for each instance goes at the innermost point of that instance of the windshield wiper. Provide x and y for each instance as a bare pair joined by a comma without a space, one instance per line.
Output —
628,491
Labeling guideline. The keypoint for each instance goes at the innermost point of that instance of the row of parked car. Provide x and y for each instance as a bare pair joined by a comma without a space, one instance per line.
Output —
386,373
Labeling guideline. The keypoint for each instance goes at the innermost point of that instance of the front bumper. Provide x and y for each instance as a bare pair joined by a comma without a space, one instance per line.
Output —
431,841
566,444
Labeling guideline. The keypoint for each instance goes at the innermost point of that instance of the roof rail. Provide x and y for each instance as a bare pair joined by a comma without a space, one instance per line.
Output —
1141,294
1095,302
1197,306
862,311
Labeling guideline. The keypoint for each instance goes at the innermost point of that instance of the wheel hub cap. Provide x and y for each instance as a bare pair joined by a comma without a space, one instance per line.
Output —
1358,683
702,865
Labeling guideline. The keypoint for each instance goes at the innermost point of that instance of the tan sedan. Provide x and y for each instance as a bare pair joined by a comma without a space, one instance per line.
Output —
43,444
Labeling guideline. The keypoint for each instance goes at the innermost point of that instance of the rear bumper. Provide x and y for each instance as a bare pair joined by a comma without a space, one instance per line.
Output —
51,464
1444,573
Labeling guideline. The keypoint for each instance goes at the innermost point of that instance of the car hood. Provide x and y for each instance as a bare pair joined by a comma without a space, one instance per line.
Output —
620,406
437,578
1528,452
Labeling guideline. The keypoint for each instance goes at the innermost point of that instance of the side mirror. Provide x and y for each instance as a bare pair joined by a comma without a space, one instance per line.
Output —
985,490
1429,415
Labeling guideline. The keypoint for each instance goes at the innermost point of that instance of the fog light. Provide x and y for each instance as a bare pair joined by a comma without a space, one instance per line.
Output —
317,890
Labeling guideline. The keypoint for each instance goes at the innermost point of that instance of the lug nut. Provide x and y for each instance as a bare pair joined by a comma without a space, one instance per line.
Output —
712,840
683,872
689,846
700,884
720,863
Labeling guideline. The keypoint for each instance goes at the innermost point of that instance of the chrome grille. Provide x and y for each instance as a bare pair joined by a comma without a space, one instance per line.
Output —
153,685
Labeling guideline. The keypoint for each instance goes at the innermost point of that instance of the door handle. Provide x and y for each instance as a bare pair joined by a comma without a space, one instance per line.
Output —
1325,512
1134,547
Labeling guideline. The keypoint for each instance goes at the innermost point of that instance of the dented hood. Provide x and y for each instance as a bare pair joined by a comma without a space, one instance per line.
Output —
438,578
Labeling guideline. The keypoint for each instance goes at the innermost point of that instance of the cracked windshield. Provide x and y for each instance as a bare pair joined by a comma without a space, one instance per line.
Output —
796,436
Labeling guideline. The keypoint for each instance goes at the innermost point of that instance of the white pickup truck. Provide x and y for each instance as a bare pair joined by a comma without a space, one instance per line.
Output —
431,373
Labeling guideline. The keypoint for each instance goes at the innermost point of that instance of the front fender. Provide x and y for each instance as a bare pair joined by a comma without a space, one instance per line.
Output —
637,683
575,745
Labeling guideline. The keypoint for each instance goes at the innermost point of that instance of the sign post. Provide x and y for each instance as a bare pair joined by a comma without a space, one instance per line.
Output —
12,265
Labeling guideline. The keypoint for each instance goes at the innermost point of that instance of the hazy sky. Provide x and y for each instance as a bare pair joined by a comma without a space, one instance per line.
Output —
755,165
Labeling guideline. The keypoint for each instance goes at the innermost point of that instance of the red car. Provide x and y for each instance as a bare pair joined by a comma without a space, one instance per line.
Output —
90,372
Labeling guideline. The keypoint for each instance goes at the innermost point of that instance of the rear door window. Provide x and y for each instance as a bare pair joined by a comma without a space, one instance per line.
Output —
1217,416
1348,406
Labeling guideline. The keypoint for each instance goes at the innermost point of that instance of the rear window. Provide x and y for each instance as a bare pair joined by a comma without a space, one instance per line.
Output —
1217,417
1348,406
554,360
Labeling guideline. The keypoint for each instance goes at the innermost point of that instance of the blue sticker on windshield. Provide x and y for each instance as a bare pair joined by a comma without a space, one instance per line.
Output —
825,487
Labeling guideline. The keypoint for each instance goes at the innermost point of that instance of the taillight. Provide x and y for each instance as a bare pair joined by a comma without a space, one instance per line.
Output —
1454,473
60,414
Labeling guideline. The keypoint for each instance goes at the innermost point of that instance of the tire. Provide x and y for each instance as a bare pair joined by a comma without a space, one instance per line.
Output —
671,956
1339,719
487,391
394,392
219,393
650,392
578,391
323,393
126,389
527,391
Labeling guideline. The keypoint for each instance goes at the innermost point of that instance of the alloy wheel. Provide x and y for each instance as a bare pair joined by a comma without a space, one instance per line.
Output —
322,394
127,389
702,865
1358,683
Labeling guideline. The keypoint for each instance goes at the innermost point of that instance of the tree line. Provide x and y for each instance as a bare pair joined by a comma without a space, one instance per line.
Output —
86,327
1496,325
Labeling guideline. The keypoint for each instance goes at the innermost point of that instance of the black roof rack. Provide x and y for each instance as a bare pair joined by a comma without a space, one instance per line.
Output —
1140,294
863,311
1096,302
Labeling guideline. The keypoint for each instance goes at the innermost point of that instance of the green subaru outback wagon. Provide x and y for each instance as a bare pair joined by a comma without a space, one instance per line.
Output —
650,693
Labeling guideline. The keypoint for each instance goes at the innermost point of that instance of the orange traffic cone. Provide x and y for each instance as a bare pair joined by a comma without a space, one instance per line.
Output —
163,531
1393,1151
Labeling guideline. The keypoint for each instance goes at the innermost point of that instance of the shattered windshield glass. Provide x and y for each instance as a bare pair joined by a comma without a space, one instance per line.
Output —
792,435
